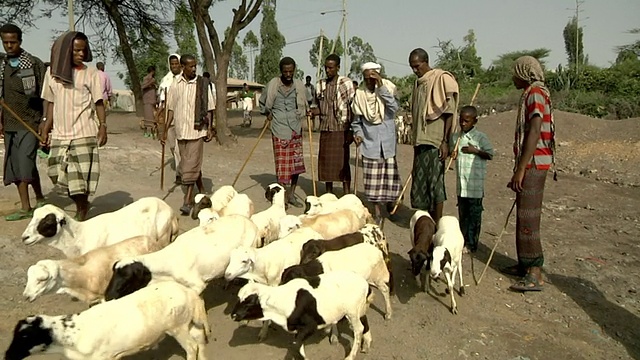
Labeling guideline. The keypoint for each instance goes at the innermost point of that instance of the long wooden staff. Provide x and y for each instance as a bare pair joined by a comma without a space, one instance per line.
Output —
264,128
504,228
313,166
355,177
406,183
455,148
21,121
164,136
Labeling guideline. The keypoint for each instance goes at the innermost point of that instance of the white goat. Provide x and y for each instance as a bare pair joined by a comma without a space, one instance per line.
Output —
85,277
331,225
268,221
348,201
119,328
148,216
193,259
364,259
447,255
314,203
305,305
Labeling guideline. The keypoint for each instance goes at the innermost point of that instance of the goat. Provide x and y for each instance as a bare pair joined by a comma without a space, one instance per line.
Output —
447,255
422,229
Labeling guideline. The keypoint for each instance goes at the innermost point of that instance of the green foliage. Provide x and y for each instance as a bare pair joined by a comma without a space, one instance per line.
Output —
360,52
573,45
184,29
250,40
272,43
327,45
152,50
404,86
463,62
238,63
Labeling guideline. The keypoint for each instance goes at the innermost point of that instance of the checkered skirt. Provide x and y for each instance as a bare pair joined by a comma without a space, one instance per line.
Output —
289,158
75,165
381,179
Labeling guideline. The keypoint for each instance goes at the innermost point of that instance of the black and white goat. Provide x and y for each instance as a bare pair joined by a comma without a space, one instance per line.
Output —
422,229
447,255
305,305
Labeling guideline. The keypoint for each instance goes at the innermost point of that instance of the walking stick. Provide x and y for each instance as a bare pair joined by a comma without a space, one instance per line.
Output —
455,148
266,125
504,228
21,121
313,167
355,178
164,136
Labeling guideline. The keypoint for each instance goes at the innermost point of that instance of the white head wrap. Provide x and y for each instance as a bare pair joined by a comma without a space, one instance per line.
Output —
371,66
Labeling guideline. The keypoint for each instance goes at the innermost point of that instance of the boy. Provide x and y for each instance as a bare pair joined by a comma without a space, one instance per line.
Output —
471,169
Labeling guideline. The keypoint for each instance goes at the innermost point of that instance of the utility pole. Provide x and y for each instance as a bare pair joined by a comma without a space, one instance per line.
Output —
72,23
346,47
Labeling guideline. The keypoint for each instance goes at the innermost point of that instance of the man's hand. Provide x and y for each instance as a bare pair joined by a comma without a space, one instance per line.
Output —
375,75
443,152
44,129
470,149
313,112
357,140
454,154
516,181
348,138
102,135
210,135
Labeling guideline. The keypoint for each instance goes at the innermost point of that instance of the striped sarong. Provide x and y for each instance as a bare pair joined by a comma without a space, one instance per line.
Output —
191,157
529,209
427,186
75,165
381,179
333,157
288,157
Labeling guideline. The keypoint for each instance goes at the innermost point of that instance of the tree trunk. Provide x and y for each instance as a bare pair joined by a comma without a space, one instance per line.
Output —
225,136
203,39
127,53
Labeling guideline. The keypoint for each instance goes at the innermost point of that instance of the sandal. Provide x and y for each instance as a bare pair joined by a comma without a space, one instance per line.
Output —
528,283
293,201
19,215
515,270
185,210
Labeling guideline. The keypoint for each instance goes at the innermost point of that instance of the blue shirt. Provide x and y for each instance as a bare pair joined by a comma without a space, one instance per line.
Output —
471,169
379,140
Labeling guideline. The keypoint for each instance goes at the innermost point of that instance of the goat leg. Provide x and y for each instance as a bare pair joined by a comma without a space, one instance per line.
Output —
454,306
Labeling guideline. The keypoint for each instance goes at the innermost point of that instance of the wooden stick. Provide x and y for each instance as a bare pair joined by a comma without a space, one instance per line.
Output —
162,170
264,128
455,127
24,123
164,136
504,228
355,177
399,199
313,167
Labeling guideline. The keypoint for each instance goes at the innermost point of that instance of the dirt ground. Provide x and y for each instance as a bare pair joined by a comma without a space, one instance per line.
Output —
589,309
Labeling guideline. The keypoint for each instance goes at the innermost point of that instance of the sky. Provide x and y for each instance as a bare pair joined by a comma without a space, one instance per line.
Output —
395,27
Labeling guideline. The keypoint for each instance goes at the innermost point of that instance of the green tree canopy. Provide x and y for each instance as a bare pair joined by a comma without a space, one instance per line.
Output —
272,43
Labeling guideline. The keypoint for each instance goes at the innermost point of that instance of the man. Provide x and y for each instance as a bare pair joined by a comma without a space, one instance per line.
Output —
310,90
72,90
107,90
247,104
149,86
534,150
334,96
374,127
434,104
21,77
191,103
175,71
284,102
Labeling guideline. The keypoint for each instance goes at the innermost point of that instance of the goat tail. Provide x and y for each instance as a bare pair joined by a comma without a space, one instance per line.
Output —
200,319
387,262
370,296
175,228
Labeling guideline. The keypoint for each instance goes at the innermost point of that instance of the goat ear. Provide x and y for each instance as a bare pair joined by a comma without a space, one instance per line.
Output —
43,274
62,222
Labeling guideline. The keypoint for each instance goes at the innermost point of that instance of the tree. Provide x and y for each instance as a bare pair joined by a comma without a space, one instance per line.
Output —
251,44
463,62
360,52
154,52
573,45
211,45
238,66
500,70
113,20
327,45
272,43
629,51
184,28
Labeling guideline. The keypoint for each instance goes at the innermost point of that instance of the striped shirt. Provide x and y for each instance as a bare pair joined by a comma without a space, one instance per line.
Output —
74,115
471,170
181,99
538,105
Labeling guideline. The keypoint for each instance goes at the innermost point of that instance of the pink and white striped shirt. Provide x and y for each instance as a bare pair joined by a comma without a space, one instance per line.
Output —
74,115
181,99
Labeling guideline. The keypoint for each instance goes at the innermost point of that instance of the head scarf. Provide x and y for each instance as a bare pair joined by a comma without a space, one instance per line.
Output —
167,80
371,66
62,56
529,69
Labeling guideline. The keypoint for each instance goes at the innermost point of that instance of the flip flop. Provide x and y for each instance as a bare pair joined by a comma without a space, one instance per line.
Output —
295,202
19,215
528,283
185,210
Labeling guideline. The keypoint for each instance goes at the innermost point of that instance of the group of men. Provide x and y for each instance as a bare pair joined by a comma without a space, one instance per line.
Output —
65,106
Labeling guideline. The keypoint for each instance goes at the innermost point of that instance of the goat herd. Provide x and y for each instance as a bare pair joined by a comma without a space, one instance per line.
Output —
142,281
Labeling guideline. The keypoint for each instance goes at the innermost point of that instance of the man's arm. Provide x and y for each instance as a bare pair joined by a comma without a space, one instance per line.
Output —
531,136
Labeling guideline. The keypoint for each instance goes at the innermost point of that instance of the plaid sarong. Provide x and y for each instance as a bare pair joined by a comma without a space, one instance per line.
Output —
529,209
333,157
288,156
381,179
427,186
74,165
